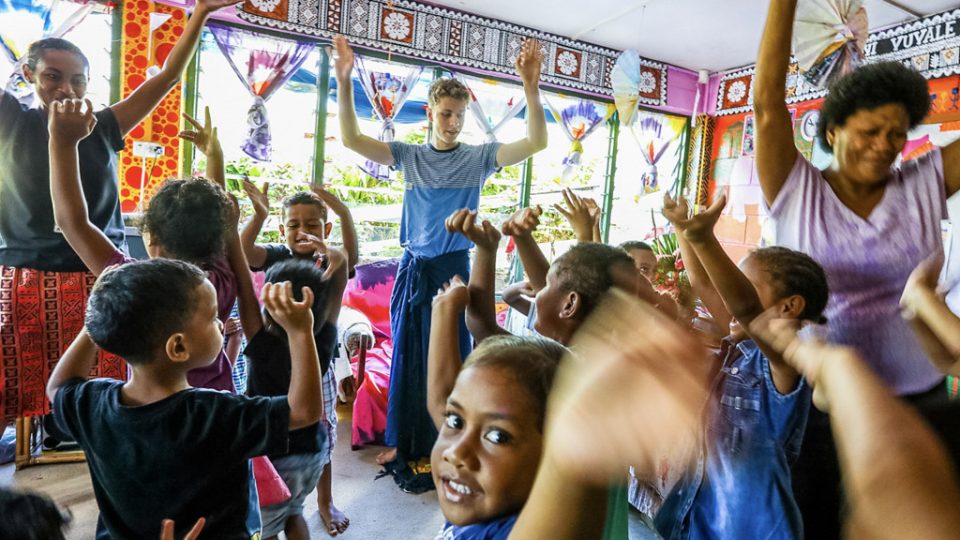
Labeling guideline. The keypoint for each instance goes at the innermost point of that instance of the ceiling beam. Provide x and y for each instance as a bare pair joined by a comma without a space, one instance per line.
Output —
901,7
637,5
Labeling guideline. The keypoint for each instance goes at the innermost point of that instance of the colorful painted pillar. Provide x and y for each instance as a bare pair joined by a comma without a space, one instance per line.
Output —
149,32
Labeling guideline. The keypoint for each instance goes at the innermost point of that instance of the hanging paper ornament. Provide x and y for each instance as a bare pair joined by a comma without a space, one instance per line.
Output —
649,133
625,79
492,104
387,93
578,121
829,38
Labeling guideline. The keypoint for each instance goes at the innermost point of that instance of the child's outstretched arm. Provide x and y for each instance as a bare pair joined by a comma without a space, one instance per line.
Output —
528,66
147,96
738,294
513,296
937,328
71,121
481,314
205,140
348,230
336,274
251,321
353,138
679,212
75,363
521,226
296,319
631,394
443,356
582,213
897,475
256,254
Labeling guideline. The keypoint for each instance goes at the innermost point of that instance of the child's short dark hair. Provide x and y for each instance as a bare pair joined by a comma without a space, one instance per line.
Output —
531,361
135,308
872,86
451,88
189,219
300,273
792,272
303,197
635,244
38,48
26,515
588,269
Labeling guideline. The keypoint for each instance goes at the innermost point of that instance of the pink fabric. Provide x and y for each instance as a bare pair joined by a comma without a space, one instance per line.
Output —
867,261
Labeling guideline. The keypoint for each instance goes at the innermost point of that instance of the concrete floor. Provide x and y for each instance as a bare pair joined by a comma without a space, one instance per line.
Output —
377,509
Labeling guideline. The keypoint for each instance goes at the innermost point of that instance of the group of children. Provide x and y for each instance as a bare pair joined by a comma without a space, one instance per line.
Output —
527,436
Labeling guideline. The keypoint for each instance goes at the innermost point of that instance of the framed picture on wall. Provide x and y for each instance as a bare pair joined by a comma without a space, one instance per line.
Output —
749,136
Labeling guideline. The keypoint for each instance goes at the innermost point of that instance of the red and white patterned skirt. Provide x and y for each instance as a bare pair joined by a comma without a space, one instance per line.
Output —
40,315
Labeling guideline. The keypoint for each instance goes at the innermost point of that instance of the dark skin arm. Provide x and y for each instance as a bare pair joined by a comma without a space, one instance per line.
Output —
776,152
443,358
521,226
936,327
481,311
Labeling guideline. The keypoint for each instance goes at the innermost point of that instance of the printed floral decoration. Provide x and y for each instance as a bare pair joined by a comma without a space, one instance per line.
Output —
736,92
671,273
648,82
397,26
567,63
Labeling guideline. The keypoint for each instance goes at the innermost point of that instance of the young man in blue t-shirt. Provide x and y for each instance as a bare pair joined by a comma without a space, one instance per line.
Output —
441,177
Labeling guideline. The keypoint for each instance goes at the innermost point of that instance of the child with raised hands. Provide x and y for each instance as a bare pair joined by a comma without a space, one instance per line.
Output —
583,214
305,227
757,410
190,220
899,480
156,447
490,414
270,359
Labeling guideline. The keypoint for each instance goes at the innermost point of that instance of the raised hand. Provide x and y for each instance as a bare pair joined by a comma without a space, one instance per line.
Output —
923,280
331,200
807,356
290,315
581,212
522,222
206,7
342,58
484,235
258,197
205,137
453,294
233,213
167,532
71,120
635,396
698,227
529,62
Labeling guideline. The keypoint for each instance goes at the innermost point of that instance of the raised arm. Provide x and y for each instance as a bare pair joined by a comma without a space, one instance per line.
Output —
336,274
521,226
353,139
296,318
144,99
481,314
207,141
582,213
936,327
898,477
678,212
348,230
70,121
776,152
256,254
515,296
251,321
443,356
528,65
75,363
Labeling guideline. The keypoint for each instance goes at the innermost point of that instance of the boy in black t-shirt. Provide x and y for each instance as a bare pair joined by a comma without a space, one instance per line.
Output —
156,447
269,374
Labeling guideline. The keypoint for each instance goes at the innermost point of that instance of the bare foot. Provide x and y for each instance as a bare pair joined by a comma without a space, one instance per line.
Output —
333,519
386,456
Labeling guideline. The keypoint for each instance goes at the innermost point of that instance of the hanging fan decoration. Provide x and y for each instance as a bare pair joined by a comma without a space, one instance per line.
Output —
578,120
829,38
655,134
625,79
387,93
492,104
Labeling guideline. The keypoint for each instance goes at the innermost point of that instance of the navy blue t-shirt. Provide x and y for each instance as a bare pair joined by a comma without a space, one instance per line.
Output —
28,238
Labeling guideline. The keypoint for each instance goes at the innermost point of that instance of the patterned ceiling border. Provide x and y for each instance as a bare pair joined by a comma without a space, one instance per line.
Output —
452,37
930,45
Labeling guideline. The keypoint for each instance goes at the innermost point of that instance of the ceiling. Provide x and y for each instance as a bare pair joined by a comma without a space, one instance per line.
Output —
696,34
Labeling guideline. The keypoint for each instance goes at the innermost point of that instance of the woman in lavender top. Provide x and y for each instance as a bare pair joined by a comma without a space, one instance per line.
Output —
866,221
